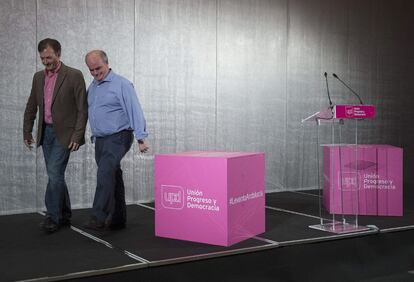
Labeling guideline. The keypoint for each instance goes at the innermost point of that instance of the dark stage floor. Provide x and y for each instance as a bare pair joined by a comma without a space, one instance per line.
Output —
282,253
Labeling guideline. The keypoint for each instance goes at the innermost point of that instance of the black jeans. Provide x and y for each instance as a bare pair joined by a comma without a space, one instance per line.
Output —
109,203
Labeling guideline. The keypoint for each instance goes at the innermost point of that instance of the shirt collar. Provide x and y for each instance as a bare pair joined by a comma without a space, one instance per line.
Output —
109,76
55,71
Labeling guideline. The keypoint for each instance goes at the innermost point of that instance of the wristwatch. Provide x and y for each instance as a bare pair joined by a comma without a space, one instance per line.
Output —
141,141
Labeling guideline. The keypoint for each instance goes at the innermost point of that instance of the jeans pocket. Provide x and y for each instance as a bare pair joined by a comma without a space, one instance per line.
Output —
127,138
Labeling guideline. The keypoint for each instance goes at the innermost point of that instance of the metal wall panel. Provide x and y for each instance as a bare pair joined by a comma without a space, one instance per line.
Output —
395,59
175,57
213,75
251,81
17,163
305,88
81,26
359,41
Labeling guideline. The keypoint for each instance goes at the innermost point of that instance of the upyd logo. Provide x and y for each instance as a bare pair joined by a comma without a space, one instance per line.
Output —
172,197
349,111
349,181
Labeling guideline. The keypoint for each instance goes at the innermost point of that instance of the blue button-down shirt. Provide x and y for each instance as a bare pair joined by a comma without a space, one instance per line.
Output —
114,106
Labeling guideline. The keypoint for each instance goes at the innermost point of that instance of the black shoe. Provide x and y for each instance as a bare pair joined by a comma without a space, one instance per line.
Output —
117,226
94,224
49,226
42,224
64,222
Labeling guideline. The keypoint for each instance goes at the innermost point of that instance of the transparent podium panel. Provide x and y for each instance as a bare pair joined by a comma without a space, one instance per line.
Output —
337,162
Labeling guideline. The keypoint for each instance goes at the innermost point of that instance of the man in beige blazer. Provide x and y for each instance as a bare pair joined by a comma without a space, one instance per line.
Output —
59,94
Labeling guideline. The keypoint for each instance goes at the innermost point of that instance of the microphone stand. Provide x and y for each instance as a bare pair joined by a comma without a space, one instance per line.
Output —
350,89
327,90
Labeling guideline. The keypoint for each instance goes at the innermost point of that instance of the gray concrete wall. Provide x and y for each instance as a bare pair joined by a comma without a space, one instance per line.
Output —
232,75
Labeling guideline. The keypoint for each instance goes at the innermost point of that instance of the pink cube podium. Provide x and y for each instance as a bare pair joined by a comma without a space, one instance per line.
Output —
363,179
216,198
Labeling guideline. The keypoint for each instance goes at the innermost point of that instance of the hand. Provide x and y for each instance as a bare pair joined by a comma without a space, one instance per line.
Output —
143,147
73,146
29,143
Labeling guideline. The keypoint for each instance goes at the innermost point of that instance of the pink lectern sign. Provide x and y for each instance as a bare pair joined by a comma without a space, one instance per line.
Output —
343,112
209,197
354,111
363,179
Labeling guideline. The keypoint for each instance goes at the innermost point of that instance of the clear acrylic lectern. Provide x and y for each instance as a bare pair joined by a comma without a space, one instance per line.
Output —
339,204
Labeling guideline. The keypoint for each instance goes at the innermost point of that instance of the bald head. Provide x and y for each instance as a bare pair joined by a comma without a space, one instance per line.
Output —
97,62
98,53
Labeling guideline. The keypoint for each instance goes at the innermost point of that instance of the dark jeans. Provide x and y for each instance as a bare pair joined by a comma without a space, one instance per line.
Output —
109,203
56,158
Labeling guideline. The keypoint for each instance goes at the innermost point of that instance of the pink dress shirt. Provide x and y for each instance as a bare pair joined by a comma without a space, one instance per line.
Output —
50,81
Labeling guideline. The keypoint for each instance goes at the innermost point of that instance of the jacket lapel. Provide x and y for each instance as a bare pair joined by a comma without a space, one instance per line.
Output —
59,81
41,92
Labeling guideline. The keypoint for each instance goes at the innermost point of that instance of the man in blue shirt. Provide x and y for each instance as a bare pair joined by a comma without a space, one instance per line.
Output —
115,116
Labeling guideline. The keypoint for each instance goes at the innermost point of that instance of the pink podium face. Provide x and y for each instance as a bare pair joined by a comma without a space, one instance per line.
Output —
364,180
209,197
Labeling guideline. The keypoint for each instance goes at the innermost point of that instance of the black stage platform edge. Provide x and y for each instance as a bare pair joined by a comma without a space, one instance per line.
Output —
373,229
376,258
27,252
307,204
277,235
281,229
88,273
203,256
136,266
206,256
139,238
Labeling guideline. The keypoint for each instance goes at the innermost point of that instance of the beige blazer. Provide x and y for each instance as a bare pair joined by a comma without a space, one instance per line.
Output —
69,107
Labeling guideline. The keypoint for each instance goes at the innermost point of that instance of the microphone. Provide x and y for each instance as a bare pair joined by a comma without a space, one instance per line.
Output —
327,90
359,98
